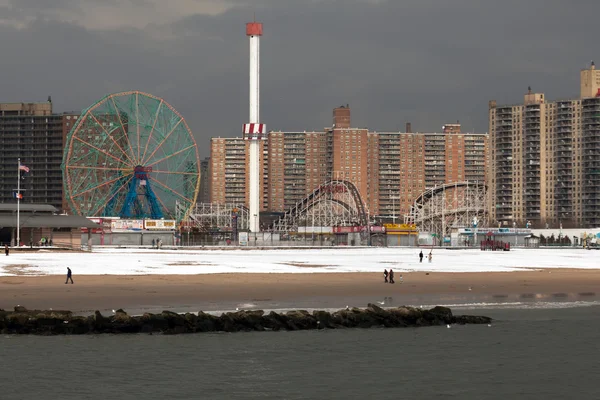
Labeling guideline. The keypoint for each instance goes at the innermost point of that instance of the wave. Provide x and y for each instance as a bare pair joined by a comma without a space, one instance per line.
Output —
522,305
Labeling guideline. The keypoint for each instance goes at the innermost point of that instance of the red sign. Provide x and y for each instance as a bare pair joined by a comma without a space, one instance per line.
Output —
348,229
94,230
337,188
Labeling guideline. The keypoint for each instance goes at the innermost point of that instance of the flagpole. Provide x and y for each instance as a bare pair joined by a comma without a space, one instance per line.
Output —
18,200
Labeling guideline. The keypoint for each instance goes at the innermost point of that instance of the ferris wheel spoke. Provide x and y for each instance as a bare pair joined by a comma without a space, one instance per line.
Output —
100,193
169,190
97,168
161,202
137,121
183,163
171,155
97,187
111,138
99,149
75,181
81,157
122,126
162,141
101,207
153,126
174,172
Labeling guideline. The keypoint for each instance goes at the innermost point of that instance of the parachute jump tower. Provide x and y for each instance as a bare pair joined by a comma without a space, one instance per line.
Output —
254,131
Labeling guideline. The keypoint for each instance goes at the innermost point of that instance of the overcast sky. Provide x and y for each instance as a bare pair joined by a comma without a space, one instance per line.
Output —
422,61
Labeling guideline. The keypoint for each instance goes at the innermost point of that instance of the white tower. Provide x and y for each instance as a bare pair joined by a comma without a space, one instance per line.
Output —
254,130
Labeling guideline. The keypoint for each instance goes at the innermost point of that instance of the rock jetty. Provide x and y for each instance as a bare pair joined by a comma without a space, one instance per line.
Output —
52,322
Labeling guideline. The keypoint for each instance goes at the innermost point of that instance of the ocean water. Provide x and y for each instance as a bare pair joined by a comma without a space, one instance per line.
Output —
533,353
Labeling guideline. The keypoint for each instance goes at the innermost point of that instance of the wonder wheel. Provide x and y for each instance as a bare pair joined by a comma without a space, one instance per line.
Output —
131,155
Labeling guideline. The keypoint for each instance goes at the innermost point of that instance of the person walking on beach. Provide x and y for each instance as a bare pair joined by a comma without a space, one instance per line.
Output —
69,276
401,279
421,256
392,276
429,256
385,276
6,249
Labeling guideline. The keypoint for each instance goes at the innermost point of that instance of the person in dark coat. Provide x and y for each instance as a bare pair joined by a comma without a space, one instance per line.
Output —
69,276
421,256
6,250
385,276
392,276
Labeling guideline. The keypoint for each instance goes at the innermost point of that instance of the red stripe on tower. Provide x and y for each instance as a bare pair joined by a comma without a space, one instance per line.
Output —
254,131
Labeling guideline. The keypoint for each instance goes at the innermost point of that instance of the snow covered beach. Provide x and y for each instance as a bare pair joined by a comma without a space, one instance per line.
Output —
339,260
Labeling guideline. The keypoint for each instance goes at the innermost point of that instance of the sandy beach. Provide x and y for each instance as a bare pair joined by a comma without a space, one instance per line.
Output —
154,293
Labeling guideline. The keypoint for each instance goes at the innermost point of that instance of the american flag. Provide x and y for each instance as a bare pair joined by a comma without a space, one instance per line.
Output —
23,168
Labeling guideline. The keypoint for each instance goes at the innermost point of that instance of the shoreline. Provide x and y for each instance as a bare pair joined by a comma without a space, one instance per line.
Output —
225,292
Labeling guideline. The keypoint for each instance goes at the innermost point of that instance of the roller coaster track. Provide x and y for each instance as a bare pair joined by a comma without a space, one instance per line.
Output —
459,204
334,203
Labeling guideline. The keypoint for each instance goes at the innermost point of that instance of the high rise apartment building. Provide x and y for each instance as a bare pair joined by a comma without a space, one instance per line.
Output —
68,121
31,132
545,159
297,163
205,180
229,172
350,150
403,165
390,169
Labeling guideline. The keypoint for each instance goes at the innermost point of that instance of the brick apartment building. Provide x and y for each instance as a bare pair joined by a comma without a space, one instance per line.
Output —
389,169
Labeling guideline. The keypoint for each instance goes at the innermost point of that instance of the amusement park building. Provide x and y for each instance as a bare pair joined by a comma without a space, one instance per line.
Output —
389,169
33,133
545,159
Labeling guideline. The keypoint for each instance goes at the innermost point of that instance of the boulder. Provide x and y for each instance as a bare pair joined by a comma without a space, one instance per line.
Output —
300,320
275,321
122,322
437,316
249,320
205,322
99,323
176,323
324,320
153,323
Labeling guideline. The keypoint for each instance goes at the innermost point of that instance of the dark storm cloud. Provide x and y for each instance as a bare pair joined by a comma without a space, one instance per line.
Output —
427,62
